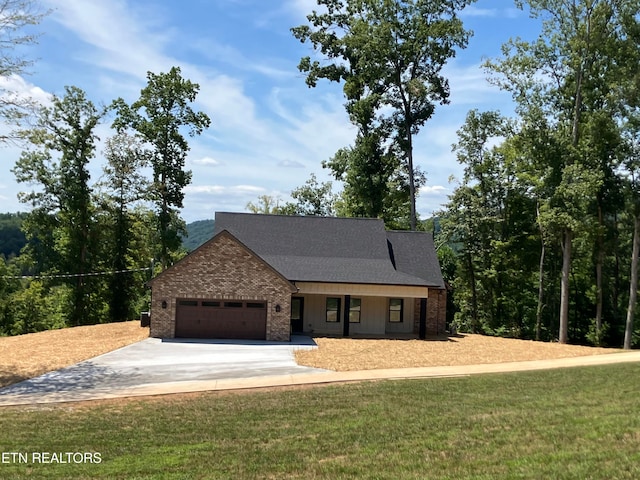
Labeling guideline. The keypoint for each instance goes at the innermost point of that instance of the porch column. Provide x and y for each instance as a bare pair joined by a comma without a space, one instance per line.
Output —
422,333
347,307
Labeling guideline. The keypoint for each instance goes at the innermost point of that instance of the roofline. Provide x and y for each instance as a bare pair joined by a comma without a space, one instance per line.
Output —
225,232
302,216
372,283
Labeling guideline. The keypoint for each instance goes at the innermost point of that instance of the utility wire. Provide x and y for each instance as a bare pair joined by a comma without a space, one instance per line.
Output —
74,275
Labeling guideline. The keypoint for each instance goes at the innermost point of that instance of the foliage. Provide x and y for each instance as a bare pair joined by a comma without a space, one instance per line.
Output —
38,308
63,142
161,116
541,207
266,205
312,198
126,186
390,55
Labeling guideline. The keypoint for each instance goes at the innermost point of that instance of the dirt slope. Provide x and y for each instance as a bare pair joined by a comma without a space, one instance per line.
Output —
30,355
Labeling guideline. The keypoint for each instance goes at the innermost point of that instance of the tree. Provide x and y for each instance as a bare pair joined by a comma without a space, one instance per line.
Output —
389,53
15,18
125,185
567,75
266,205
313,198
160,116
631,163
62,218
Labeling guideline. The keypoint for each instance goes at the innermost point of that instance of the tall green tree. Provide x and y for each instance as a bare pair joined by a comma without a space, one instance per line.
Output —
568,74
63,211
125,187
161,116
390,54
489,216
630,113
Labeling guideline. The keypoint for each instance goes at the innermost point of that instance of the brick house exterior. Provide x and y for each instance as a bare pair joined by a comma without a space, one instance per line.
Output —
266,276
222,268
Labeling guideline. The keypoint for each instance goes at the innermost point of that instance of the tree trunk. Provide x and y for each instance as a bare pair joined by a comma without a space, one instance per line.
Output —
412,181
633,287
599,262
474,296
540,294
564,286
540,280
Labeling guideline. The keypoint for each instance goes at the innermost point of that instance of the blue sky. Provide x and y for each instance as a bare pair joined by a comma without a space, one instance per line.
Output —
269,130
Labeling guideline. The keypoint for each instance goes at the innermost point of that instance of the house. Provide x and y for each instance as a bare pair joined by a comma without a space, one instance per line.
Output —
267,276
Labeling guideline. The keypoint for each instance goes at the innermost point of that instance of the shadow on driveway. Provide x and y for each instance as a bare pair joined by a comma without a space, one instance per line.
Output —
154,361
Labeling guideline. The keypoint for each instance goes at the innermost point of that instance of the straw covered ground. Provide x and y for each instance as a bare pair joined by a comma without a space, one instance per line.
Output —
27,356
30,355
366,354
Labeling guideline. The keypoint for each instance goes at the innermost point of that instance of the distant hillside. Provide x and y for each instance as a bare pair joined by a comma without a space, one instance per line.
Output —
199,232
11,237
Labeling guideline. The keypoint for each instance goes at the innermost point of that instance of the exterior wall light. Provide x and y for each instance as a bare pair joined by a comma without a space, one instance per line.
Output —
164,304
278,308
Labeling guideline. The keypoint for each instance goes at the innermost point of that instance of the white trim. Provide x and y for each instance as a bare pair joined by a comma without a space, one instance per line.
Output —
361,289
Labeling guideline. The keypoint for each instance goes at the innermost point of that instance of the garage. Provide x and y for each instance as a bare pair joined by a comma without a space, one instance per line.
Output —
241,319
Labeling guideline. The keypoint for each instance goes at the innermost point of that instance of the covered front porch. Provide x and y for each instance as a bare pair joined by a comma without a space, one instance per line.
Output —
340,309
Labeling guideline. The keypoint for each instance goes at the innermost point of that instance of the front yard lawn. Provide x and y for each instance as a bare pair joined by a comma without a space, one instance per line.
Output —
571,423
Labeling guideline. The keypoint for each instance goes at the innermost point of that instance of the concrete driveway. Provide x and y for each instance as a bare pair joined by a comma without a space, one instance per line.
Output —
153,362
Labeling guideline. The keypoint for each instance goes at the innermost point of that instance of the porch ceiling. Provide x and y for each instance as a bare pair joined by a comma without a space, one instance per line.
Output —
361,289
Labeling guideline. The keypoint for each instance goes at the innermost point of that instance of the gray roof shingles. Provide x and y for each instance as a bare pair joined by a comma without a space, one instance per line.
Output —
336,250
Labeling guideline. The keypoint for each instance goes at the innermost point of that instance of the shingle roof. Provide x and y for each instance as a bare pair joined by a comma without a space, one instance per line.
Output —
340,250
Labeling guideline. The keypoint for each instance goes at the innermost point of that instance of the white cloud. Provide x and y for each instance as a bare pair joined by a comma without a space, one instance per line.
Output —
433,190
207,162
290,164
302,8
21,89
124,38
473,11
224,189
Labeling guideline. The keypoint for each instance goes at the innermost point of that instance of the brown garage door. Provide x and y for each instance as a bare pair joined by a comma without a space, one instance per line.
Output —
221,319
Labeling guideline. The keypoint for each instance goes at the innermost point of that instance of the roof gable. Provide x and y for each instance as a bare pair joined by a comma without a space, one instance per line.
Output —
337,250
414,253
210,244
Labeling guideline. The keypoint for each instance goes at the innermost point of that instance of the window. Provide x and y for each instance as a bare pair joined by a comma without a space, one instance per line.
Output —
395,310
333,310
255,305
210,304
354,310
188,303
232,304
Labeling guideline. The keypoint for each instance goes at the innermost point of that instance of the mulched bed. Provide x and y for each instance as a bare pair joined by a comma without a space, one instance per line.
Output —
27,356
346,354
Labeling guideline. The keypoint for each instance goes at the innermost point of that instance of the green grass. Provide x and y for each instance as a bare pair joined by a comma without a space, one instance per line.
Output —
575,423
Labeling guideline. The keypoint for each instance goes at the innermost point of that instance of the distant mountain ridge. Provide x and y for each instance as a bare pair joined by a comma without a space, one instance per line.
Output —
198,233
11,237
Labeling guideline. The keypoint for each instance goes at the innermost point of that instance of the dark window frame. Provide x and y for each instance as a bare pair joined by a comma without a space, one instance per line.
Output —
188,303
337,310
393,310
353,309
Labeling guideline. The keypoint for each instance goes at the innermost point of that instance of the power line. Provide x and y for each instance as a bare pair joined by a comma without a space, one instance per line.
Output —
74,275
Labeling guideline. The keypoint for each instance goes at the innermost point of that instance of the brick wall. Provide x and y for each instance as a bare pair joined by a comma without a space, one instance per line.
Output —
223,268
436,312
